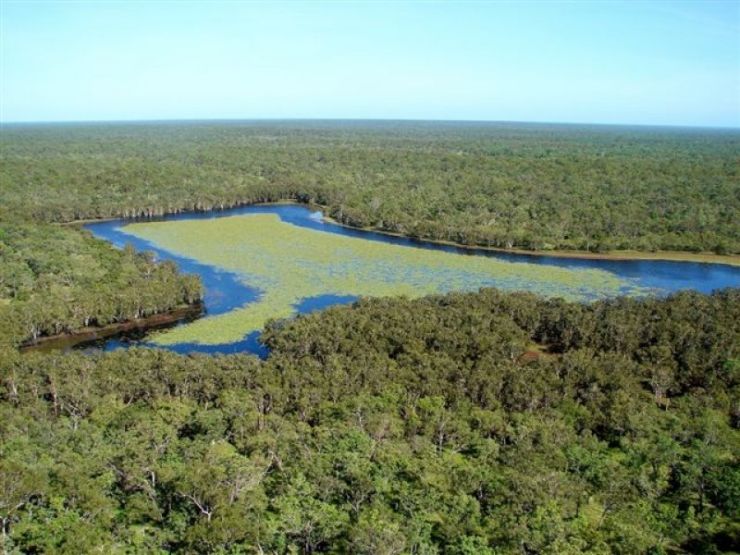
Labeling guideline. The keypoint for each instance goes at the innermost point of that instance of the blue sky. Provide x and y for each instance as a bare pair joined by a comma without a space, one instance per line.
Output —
673,63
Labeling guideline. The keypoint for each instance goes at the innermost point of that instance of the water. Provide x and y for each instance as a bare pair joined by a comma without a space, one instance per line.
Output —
225,291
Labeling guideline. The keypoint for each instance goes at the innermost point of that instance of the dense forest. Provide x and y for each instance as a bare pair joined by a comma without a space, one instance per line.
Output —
479,423
57,280
536,187
464,424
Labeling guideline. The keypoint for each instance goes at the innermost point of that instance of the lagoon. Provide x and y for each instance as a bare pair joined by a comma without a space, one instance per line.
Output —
275,261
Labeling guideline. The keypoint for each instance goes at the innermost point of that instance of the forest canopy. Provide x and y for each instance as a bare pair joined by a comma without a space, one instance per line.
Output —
468,423
532,186
56,280
478,423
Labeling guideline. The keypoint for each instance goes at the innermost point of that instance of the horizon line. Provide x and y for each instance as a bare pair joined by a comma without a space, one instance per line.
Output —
349,119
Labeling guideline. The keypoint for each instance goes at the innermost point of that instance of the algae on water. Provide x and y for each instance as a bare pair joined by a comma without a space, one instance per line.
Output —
289,263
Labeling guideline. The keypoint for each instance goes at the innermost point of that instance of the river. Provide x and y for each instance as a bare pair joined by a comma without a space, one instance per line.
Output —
227,291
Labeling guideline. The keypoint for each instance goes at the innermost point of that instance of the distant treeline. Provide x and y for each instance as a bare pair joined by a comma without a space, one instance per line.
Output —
505,185
463,424
55,280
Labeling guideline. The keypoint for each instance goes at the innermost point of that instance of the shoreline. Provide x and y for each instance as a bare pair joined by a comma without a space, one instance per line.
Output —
620,255
90,334
625,255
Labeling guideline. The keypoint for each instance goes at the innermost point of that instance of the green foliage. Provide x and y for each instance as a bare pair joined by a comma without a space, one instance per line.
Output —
394,426
55,280
532,186
465,423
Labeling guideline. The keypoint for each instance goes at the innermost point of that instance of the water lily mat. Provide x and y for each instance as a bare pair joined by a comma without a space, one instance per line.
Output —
289,263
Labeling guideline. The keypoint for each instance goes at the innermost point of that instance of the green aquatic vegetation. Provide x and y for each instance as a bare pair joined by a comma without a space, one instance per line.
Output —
288,263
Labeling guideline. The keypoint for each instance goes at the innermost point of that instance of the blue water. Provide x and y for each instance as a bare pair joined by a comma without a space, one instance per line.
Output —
224,291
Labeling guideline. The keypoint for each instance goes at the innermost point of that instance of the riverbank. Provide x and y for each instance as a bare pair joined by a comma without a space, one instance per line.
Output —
221,208
90,334
625,255
622,255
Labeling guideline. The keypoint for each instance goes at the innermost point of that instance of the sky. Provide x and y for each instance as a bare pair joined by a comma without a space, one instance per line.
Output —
632,62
